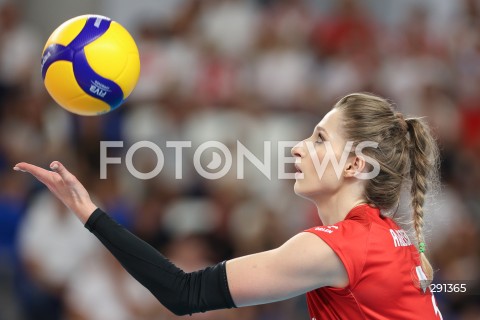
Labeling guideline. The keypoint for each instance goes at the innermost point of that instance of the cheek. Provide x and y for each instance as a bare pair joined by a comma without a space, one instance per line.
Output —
326,175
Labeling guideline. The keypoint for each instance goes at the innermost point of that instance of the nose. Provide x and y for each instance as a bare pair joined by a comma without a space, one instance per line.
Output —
297,150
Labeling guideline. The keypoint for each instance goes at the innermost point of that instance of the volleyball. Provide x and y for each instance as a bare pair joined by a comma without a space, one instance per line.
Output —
90,65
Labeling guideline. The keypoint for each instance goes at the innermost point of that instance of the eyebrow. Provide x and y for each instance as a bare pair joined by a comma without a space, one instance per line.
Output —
319,128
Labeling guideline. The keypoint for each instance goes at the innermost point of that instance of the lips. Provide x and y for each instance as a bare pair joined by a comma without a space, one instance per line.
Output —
298,168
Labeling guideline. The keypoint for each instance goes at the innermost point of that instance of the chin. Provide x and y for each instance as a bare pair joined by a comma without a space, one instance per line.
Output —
304,192
314,190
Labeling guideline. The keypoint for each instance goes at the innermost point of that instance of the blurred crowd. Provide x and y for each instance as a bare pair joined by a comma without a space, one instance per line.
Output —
227,71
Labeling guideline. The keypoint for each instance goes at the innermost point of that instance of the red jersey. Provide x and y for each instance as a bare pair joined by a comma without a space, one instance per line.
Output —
383,268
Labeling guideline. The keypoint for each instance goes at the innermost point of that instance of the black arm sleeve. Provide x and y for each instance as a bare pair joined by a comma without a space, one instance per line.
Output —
182,293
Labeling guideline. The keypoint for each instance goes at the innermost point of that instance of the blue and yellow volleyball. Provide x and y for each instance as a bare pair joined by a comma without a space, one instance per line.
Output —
90,65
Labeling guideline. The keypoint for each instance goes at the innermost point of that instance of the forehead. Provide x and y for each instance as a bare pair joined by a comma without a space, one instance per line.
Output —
331,122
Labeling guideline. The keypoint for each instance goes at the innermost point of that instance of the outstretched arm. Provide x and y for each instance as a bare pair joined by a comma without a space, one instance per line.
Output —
182,293
303,263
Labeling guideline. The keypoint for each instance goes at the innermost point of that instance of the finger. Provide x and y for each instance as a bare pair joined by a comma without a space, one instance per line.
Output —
41,174
16,168
61,170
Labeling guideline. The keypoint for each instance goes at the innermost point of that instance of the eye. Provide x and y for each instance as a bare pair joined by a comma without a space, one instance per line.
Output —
319,138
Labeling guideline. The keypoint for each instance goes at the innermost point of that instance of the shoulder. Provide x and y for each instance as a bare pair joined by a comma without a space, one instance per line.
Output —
317,259
349,240
346,238
344,230
357,223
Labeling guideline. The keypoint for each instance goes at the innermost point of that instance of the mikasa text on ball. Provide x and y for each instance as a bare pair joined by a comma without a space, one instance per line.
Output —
90,65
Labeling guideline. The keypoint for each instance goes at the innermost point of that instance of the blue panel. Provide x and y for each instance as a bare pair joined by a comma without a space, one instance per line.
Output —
93,29
95,85
55,52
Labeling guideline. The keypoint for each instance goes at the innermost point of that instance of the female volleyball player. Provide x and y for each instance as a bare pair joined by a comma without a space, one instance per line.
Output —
358,265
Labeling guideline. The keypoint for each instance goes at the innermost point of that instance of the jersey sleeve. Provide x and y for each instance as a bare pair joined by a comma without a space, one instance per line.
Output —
348,239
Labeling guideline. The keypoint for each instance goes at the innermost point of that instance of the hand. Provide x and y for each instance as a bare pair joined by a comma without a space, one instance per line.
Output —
64,185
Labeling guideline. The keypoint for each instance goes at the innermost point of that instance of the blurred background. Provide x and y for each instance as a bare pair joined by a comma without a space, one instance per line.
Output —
225,70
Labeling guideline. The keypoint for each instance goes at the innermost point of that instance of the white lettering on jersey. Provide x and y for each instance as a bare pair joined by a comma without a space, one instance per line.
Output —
327,229
400,238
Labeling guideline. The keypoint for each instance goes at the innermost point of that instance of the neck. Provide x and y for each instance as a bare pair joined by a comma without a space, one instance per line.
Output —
336,207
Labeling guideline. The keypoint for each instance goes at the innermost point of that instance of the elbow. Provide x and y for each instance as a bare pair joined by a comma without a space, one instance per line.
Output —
178,312
178,309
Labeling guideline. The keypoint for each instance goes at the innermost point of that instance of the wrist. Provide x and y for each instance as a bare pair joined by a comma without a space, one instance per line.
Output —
84,211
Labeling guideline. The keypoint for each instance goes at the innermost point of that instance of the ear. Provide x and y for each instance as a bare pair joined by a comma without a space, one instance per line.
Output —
355,166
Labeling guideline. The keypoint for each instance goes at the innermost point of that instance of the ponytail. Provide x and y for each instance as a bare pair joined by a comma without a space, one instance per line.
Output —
423,153
406,149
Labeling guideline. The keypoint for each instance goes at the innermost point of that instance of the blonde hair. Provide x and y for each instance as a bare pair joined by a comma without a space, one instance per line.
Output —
406,153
